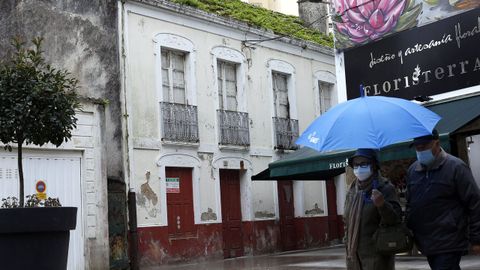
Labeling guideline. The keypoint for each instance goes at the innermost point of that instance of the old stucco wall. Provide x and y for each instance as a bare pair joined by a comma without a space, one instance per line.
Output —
81,36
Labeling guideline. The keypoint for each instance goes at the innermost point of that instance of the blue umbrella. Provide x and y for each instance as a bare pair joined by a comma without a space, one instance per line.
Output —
368,122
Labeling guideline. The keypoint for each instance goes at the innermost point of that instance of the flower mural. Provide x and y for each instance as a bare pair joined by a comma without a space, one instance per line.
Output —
370,20
360,21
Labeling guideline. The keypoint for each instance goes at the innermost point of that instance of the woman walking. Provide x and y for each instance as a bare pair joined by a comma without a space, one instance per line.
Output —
370,202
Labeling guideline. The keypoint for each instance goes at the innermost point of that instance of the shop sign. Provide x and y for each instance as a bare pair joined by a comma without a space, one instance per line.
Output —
436,58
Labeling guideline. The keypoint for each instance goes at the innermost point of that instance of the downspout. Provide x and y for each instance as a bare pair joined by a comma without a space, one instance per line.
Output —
131,199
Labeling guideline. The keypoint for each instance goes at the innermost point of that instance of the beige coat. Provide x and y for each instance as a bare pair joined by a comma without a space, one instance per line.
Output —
370,220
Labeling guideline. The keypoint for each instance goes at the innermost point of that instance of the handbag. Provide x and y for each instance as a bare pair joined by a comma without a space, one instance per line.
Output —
393,239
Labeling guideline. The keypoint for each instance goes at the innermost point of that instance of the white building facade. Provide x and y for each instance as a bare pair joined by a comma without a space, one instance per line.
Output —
209,104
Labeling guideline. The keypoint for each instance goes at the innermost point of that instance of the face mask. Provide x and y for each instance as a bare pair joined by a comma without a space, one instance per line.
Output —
362,173
425,157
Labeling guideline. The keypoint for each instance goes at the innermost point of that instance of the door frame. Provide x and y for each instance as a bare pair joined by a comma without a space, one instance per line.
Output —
283,220
227,252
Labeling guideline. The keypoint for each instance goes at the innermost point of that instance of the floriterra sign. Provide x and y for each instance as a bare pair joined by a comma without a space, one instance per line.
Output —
437,58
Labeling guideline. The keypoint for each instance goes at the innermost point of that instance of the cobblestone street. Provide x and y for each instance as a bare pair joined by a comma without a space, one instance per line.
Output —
320,259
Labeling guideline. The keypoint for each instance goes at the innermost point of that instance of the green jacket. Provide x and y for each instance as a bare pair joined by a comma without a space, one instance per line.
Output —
388,214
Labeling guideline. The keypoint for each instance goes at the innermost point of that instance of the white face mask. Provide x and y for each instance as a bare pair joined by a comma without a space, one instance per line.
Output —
425,157
362,173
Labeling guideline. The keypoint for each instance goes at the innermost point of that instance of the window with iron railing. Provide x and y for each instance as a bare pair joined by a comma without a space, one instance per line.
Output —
179,122
233,128
286,133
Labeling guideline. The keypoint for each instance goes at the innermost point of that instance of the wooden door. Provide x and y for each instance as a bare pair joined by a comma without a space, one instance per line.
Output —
231,213
287,215
333,220
180,202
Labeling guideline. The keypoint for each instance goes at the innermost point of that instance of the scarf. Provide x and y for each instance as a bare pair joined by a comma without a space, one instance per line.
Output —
353,221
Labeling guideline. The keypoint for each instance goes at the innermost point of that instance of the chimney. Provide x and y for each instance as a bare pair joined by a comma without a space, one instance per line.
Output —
314,13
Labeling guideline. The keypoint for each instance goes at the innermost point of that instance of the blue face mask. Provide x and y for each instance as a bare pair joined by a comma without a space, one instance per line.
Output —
362,173
425,157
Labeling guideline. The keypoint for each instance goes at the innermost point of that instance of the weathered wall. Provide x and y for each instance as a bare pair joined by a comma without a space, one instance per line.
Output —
81,36
155,23
314,14
143,95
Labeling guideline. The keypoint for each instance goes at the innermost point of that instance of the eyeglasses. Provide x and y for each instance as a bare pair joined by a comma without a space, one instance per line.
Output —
361,165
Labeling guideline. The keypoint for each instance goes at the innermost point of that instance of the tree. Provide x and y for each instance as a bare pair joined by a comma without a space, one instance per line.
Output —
37,101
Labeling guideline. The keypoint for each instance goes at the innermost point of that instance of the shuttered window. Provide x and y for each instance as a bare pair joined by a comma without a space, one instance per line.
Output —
325,96
280,90
173,76
227,85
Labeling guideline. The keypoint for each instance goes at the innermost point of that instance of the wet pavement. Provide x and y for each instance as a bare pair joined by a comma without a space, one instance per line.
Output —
319,259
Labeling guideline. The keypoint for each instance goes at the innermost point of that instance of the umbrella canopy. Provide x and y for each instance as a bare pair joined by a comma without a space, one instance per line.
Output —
368,122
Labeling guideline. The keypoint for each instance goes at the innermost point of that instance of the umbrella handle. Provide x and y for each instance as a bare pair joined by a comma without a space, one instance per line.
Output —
362,90
375,183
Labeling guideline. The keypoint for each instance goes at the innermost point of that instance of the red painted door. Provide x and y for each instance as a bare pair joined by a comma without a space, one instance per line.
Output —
287,215
333,224
231,213
180,202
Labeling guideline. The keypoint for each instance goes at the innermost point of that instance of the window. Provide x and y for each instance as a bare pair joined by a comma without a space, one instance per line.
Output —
325,95
280,91
232,120
285,123
227,85
173,76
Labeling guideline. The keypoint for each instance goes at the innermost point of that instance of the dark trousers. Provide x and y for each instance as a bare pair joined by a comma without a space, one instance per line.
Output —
445,261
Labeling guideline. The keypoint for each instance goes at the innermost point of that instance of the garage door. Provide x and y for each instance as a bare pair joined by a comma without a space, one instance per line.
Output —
62,175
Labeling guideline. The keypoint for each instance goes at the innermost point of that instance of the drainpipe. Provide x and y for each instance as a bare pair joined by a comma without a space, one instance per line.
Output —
131,197
132,224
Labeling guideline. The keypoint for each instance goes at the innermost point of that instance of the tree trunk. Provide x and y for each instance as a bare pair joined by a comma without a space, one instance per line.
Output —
20,173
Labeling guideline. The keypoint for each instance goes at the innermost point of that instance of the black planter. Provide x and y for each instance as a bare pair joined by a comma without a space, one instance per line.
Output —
36,238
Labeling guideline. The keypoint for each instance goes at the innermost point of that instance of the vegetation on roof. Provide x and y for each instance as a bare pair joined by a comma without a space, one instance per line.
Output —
279,23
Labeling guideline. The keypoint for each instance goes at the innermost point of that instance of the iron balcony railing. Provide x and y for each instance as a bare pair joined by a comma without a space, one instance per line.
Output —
286,133
233,128
179,122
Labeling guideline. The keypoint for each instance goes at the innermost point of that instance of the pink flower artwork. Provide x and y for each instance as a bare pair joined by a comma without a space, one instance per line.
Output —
364,20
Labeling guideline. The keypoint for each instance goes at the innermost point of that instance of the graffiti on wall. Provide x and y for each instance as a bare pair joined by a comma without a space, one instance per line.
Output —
359,22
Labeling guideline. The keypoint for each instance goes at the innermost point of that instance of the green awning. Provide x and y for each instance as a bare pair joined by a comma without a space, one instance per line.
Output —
308,164
457,113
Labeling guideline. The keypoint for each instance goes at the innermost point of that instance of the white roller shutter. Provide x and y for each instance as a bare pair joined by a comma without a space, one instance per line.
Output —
62,175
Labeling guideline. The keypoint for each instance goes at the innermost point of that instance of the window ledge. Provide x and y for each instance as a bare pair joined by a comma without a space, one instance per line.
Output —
286,151
185,144
233,147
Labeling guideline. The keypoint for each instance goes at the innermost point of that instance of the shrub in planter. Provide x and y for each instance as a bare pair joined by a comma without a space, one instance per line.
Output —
37,106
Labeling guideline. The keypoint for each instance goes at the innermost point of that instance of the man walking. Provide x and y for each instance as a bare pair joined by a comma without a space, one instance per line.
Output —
443,205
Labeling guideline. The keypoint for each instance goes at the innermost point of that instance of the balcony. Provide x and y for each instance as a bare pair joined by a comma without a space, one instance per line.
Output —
179,122
233,128
286,133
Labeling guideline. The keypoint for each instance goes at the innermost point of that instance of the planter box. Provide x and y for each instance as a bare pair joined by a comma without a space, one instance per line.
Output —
36,238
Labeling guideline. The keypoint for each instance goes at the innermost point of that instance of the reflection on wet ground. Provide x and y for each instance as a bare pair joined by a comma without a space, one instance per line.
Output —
319,259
